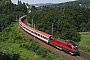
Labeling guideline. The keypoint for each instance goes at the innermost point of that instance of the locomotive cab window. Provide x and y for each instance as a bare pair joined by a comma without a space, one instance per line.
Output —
69,46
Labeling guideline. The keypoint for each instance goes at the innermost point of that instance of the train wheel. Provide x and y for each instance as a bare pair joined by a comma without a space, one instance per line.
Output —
67,52
71,53
61,49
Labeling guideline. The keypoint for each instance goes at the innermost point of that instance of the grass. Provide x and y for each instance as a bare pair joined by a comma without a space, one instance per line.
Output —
84,44
24,53
10,40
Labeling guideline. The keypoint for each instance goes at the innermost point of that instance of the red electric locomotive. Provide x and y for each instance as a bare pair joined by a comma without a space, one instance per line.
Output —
61,44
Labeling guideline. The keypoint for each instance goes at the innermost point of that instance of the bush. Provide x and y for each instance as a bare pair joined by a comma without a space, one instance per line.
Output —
34,46
4,56
42,52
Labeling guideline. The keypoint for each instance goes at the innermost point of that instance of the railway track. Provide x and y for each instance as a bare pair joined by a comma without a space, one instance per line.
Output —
83,56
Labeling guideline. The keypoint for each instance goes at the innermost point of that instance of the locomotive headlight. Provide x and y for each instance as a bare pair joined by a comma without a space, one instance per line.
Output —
76,46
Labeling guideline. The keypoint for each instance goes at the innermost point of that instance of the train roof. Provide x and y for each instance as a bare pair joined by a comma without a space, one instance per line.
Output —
64,41
39,32
45,34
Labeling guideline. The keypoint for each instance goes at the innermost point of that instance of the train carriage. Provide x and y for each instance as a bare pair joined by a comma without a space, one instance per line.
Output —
39,34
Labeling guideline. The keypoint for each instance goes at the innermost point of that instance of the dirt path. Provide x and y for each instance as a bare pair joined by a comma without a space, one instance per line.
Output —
83,56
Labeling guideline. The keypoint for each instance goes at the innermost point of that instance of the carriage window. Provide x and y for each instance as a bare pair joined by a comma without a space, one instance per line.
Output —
41,35
45,38
30,30
38,34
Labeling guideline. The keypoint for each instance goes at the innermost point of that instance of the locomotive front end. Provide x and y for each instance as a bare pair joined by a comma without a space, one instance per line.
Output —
75,50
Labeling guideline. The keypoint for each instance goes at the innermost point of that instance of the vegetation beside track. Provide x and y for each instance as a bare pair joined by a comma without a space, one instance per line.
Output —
13,44
84,44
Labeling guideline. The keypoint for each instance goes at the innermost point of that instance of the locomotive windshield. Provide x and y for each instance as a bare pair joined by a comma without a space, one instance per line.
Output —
75,46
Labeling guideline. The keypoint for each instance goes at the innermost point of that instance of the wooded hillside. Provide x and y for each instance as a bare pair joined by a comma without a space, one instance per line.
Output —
85,3
67,22
9,12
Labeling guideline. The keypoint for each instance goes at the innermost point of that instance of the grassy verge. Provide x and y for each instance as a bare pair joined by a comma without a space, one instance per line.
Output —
84,44
12,41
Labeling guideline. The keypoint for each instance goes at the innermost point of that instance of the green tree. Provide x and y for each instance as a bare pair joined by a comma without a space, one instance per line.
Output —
9,12
64,24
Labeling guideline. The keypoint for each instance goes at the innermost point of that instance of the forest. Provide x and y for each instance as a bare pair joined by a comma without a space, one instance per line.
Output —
67,22
9,12
85,3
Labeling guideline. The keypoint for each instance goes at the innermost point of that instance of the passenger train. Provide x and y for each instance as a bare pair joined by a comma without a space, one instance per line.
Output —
61,44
